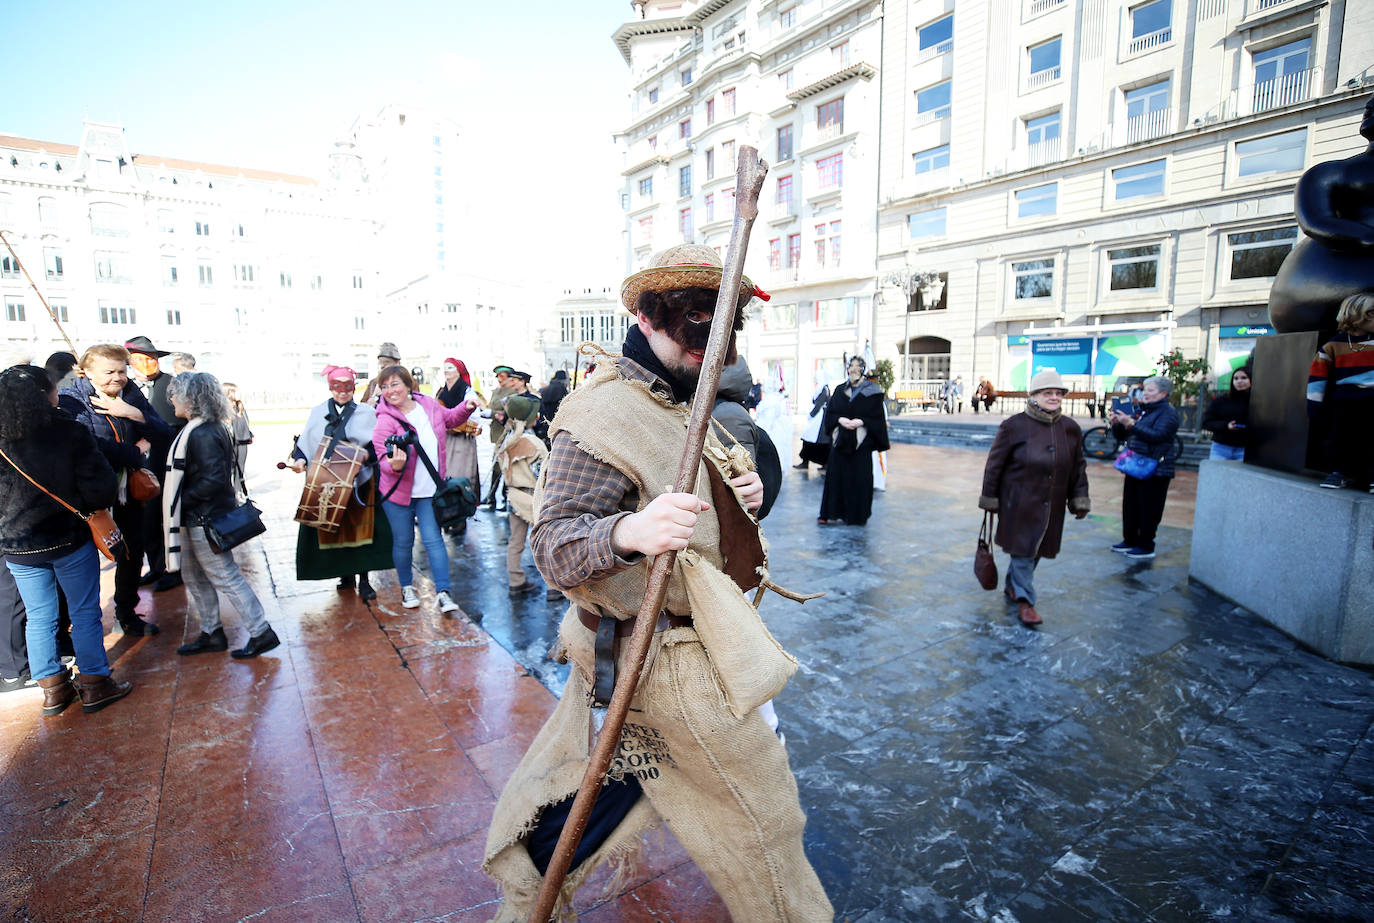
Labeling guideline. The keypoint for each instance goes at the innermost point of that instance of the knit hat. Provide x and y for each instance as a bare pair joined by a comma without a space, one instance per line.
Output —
519,407
681,266
1044,379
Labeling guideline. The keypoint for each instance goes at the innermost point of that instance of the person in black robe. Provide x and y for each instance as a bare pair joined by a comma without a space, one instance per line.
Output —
857,427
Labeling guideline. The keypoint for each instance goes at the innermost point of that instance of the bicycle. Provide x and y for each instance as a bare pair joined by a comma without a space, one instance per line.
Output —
1099,443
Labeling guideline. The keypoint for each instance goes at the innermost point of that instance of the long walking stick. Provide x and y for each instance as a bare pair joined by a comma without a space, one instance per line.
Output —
749,173
38,293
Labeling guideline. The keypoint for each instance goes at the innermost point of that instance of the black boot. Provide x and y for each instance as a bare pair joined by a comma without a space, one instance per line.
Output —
167,582
365,591
213,642
133,625
346,582
260,644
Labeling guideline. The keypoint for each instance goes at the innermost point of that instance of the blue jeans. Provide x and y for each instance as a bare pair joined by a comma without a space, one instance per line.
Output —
79,575
1227,452
403,520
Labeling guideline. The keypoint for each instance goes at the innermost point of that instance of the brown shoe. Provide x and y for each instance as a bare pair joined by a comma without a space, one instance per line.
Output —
58,692
1027,613
99,691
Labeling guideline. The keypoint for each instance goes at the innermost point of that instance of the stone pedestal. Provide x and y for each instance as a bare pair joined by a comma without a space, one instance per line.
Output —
1298,556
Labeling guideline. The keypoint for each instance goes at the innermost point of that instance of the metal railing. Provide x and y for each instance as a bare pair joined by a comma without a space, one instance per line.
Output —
935,51
1147,126
1042,78
930,116
1259,6
1150,40
1043,6
831,131
1263,95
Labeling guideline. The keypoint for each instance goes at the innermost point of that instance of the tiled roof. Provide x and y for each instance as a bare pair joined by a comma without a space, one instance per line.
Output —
26,144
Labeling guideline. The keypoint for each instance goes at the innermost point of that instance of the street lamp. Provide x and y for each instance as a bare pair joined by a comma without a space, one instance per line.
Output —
911,281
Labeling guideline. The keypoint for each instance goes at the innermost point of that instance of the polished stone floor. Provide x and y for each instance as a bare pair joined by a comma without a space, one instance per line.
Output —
1150,753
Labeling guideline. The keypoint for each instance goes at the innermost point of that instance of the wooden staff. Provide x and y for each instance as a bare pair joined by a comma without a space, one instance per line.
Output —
750,172
39,294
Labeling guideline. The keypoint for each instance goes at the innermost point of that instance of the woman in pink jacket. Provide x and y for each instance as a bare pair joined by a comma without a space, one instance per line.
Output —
407,419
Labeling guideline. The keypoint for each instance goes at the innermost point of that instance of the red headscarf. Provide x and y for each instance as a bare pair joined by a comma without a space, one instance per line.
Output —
462,371
338,373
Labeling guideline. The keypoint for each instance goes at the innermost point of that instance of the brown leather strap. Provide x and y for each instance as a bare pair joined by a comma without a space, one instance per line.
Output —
74,510
608,633
624,627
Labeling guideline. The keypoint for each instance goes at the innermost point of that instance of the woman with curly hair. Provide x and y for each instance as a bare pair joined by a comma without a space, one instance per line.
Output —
45,544
200,486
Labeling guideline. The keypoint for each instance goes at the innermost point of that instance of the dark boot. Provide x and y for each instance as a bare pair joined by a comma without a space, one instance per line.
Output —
133,625
346,582
167,582
258,645
58,692
211,642
365,591
99,691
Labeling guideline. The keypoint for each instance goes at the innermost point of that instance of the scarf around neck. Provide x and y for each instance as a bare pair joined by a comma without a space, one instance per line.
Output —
1036,412
171,495
637,350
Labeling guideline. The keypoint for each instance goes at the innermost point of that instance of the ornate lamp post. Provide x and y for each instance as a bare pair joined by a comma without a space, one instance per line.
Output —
911,281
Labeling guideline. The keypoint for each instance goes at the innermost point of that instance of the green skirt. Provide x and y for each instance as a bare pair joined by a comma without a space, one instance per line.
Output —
316,563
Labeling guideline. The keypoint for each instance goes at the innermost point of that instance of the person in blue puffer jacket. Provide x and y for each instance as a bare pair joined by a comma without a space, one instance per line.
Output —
1151,434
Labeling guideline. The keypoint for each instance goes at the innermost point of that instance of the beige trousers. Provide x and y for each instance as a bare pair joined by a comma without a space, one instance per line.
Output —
519,529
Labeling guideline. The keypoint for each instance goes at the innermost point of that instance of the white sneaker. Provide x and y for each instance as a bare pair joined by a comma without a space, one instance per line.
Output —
409,598
446,603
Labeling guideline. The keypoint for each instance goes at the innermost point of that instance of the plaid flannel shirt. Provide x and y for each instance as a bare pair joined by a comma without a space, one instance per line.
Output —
584,498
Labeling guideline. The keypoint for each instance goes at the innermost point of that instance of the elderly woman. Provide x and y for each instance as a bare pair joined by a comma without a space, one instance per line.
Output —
857,426
128,431
48,458
1151,434
199,487
409,423
460,445
1035,470
363,541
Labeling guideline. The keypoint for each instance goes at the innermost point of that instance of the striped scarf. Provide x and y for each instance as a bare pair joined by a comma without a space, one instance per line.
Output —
171,496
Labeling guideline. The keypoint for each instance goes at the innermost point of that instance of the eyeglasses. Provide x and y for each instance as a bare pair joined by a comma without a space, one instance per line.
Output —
395,385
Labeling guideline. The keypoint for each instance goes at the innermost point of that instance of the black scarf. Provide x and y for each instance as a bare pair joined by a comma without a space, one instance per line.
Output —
637,349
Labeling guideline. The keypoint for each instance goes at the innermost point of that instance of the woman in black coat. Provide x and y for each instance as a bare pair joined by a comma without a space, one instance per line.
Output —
1152,435
45,544
854,418
1228,416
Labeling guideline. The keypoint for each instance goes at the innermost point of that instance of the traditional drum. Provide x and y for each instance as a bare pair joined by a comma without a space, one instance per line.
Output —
329,486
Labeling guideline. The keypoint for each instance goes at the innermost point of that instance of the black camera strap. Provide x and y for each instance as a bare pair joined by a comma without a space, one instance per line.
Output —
424,457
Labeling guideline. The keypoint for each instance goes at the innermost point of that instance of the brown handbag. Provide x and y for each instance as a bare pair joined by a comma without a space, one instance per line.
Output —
109,541
984,567
143,484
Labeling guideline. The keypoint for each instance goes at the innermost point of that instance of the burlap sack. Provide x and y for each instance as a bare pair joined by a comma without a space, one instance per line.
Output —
750,664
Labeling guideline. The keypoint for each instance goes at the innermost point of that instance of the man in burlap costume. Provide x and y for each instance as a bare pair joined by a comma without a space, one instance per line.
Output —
521,456
695,751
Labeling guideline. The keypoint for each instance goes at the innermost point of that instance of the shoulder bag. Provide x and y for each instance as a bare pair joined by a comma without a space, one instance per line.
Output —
109,541
234,527
143,484
1135,465
984,567
455,499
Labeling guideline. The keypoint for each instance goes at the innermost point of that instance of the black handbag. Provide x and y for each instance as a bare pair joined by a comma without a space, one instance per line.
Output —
455,499
234,527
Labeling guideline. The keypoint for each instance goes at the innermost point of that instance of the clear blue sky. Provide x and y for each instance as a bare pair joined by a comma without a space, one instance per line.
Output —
538,88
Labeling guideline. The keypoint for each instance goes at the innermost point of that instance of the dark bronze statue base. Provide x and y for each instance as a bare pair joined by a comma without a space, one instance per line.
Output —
1279,430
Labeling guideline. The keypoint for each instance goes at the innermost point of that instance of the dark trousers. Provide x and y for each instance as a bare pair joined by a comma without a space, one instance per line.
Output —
14,650
1142,507
152,536
1350,437
130,519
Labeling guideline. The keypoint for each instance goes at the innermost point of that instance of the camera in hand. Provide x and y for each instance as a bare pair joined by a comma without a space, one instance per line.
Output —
399,441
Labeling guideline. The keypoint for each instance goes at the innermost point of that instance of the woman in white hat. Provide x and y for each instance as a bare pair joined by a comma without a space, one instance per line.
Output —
1035,470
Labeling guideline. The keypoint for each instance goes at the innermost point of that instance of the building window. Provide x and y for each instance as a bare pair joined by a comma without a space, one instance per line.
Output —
653,142
784,195
646,231
828,243
606,323
839,54
109,220
1042,138
710,207
111,267
61,311
935,158
646,187
1283,153
653,96
1258,254
935,39
284,280
684,128
1037,200
238,229
684,180
727,154
779,316
207,275
1133,268
174,317
567,328
686,76
684,224
784,143
787,80
166,224
587,327
1151,25
793,250
47,212
710,163
14,309
836,312
830,171
1281,75
317,282
1138,181
830,118
932,103
711,111
9,267
929,223
357,280
202,227
727,102
169,270
787,18
1147,112
52,263
1032,279
775,254
924,298
116,314
1044,63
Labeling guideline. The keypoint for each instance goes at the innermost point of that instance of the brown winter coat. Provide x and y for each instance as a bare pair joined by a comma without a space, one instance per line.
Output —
1035,470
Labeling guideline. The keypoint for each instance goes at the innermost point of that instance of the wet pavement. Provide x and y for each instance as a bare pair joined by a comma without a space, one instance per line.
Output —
1150,753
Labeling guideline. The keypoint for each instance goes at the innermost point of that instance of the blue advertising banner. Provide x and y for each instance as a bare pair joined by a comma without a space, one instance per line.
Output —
1250,330
1068,356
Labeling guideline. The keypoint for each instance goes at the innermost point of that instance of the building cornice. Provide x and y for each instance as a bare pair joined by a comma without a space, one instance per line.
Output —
656,159
633,30
862,70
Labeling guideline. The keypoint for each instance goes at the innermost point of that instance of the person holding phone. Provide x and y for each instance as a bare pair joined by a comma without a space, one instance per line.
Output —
1151,435
1227,418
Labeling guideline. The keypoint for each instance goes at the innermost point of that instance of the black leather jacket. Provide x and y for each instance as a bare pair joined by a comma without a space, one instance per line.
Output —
207,487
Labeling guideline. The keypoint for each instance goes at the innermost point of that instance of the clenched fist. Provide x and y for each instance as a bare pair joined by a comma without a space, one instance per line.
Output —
666,524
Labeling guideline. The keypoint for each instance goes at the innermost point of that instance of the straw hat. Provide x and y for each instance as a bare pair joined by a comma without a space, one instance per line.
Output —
681,266
1044,380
